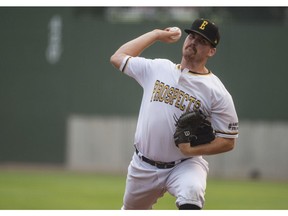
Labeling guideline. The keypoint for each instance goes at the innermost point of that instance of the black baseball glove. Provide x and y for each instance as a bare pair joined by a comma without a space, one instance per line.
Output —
193,127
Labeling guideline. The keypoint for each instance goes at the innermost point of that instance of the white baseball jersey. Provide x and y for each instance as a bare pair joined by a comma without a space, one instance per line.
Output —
169,91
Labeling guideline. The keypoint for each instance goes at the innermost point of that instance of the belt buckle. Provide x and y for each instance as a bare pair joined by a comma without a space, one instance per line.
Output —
163,165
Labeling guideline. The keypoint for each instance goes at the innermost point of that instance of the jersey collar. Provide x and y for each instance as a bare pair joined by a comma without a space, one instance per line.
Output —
178,66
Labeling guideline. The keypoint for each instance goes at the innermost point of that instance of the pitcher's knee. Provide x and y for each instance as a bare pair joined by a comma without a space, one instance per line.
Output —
193,195
196,190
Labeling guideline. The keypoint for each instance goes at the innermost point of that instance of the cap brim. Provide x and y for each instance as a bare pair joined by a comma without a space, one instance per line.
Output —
188,31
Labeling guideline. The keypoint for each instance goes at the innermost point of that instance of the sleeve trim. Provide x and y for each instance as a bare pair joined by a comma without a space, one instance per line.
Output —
124,63
221,132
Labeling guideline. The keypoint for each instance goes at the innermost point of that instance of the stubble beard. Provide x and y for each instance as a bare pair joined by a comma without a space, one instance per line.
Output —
195,50
190,54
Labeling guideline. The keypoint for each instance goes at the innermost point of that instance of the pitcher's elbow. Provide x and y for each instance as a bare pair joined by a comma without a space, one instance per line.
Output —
231,145
116,59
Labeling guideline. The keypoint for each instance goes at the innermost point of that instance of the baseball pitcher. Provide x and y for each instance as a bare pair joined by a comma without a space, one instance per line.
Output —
186,112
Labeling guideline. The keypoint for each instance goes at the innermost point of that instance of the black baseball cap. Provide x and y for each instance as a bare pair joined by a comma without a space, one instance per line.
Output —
207,29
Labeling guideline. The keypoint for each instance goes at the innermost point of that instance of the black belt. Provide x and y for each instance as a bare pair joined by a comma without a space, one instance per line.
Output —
158,164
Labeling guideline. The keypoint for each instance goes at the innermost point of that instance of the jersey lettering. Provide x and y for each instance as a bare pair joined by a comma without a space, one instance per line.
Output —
158,91
174,96
203,25
169,96
163,93
233,126
179,96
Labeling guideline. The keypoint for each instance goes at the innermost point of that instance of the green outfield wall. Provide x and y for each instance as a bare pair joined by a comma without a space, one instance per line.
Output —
54,63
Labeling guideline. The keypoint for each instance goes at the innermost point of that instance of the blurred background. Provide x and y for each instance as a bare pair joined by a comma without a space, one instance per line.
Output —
64,105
